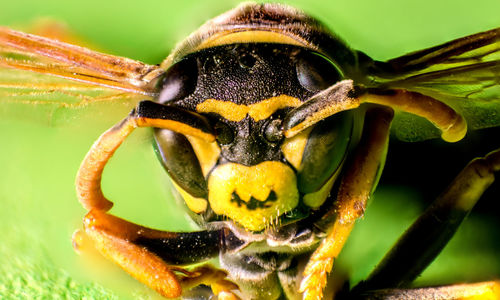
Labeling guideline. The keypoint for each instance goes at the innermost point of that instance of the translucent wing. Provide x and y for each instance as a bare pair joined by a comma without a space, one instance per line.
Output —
51,81
464,73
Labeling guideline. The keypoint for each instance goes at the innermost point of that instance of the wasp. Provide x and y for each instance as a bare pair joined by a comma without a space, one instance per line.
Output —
274,133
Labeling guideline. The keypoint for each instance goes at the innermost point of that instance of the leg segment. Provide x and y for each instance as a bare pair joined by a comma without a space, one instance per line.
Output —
147,114
425,239
355,189
150,255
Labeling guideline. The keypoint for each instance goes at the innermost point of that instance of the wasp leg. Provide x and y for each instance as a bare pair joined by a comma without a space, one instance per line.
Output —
425,239
146,114
355,189
204,293
149,255
481,290
153,256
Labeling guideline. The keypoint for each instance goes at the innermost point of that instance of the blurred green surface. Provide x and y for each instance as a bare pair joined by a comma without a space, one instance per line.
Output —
38,206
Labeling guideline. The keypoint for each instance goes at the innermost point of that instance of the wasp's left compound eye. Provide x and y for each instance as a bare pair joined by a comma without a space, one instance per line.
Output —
180,81
316,73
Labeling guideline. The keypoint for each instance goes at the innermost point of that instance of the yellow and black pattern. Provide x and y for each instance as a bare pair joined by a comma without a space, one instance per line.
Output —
275,134
246,116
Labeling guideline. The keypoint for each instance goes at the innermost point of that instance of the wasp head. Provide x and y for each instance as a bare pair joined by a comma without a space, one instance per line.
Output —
252,174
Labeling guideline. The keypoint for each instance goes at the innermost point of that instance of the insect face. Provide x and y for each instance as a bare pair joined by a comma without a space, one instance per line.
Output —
275,134
252,174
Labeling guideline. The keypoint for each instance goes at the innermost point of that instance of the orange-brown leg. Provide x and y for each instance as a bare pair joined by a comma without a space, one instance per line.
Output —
111,238
151,256
428,235
135,249
355,189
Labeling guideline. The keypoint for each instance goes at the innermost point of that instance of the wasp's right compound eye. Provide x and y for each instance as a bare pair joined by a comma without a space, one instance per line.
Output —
180,80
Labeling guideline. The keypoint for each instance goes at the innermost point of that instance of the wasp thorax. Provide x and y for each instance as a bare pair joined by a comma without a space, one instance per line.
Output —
255,196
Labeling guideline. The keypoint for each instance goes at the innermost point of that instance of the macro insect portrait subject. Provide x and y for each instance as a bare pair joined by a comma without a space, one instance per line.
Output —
274,133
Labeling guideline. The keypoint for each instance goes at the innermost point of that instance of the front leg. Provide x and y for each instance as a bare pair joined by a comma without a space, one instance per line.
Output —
151,256
356,187
430,233
146,114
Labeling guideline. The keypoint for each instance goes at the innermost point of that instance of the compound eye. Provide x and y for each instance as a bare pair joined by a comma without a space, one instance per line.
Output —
224,133
180,81
315,72
273,132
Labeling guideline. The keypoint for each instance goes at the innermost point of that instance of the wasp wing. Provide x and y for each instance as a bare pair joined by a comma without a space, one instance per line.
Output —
463,73
52,80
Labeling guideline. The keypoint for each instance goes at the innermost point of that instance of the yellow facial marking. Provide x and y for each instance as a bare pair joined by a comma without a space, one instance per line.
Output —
264,109
257,111
229,110
197,205
249,36
254,196
293,148
207,153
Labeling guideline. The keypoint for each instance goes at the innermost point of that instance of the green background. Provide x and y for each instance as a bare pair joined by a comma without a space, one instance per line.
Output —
38,206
